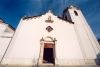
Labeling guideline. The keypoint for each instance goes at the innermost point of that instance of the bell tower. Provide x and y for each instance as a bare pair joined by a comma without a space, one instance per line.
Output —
89,46
70,12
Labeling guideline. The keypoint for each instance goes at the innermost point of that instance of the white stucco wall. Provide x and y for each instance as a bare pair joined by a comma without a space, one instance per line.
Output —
4,42
25,46
5,38
9,29
2,27
76,44
84,34
7,35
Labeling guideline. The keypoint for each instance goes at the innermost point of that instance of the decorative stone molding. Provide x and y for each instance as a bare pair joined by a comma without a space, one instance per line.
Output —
49,28
49,20
42,41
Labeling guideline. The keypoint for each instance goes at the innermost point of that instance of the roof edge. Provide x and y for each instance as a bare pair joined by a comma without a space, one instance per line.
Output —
65,20
7,24
11,27
24,18
49,11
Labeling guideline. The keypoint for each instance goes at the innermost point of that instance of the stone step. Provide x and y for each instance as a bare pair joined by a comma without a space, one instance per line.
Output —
50,66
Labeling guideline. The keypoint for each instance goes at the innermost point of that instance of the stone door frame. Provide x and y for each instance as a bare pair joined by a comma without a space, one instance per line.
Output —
42,42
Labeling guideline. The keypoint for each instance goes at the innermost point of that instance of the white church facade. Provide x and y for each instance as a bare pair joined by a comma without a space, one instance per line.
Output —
49,39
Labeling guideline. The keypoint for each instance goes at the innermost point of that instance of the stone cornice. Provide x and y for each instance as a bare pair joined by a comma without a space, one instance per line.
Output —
28,18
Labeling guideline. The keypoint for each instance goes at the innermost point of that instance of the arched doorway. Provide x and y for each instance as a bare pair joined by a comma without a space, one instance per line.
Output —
47,50
48,53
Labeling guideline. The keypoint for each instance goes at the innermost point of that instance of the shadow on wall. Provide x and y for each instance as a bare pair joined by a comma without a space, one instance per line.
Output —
34,61
97,60
99,41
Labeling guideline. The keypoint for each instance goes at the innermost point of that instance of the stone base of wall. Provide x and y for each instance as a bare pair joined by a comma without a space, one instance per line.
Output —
19,61
63,62
60,62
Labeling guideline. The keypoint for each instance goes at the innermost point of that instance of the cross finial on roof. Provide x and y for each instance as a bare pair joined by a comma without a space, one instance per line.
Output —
24,17
49,10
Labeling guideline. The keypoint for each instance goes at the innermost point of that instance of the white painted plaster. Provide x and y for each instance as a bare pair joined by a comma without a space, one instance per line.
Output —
76,44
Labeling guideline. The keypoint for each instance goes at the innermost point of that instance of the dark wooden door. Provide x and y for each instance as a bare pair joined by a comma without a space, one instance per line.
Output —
48,53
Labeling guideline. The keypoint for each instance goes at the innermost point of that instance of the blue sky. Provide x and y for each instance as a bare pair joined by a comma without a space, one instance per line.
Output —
11,11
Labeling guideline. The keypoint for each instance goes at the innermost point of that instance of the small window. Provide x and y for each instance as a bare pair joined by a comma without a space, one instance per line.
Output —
75,13
65,17
49,28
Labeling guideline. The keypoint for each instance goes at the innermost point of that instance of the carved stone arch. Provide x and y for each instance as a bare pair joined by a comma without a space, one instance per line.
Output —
48,38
